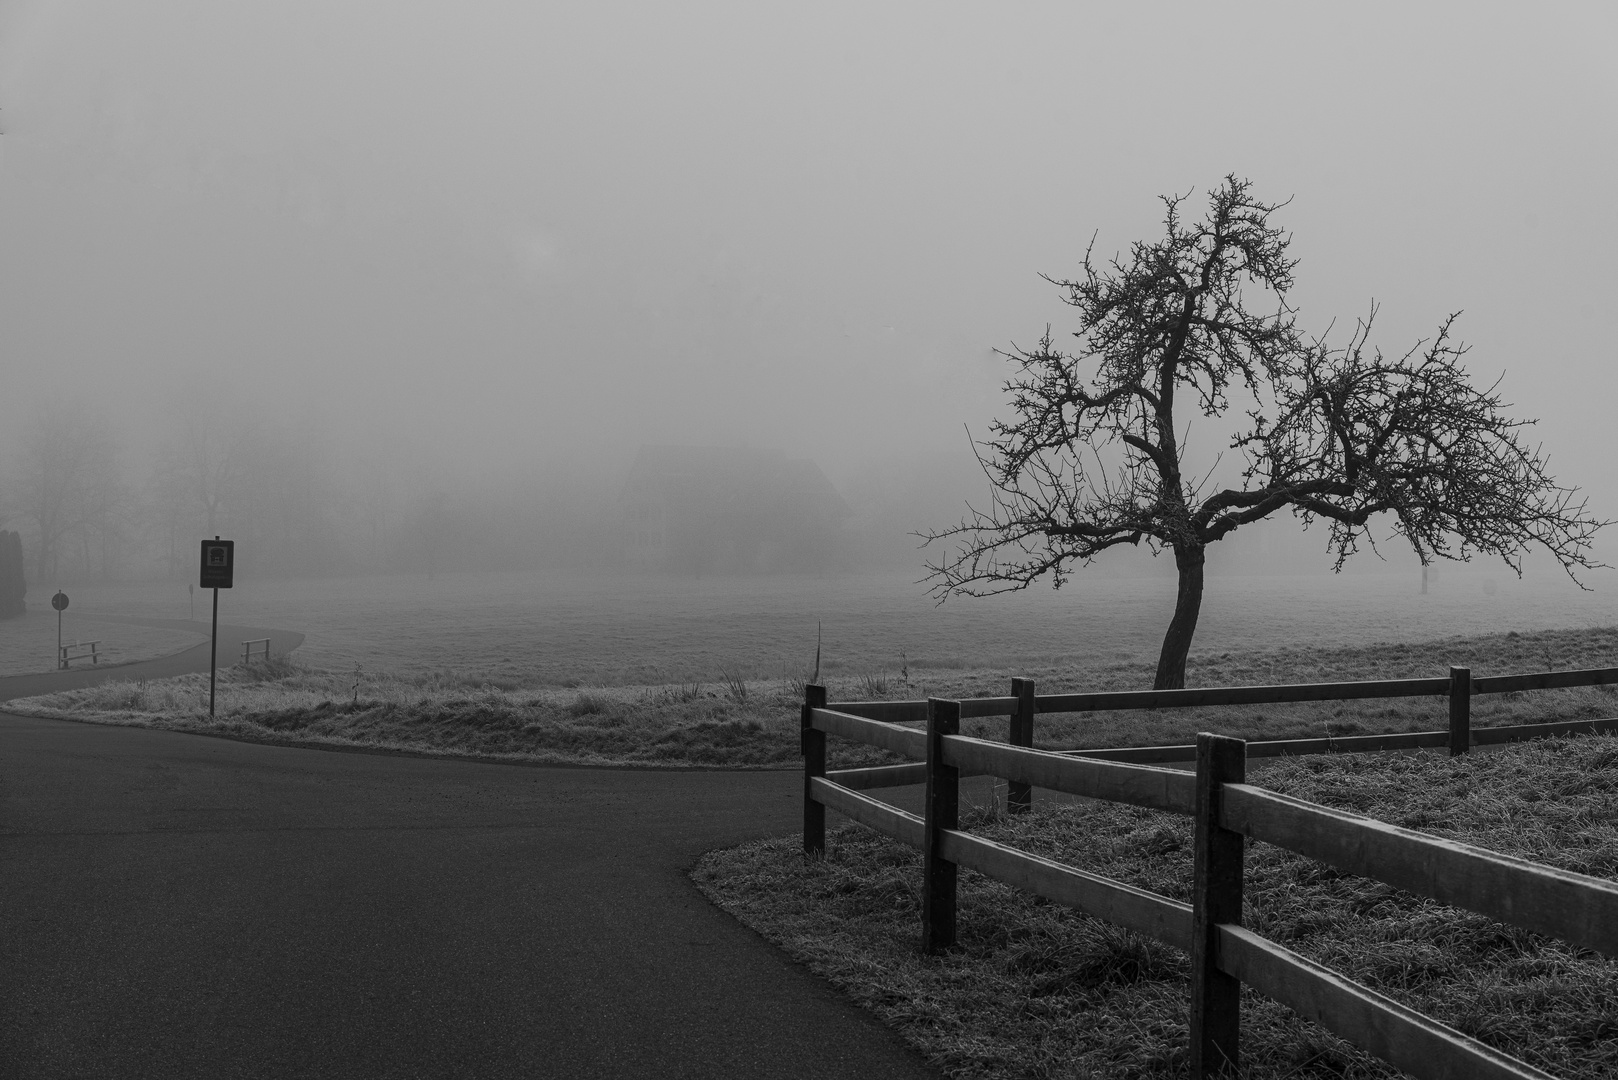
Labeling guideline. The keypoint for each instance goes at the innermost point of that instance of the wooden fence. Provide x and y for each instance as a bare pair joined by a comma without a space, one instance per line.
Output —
1460,687
1577,908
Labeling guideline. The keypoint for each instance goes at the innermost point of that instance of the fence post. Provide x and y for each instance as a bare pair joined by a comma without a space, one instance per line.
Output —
1216,898
1020,796
943,812
813,746
1460,710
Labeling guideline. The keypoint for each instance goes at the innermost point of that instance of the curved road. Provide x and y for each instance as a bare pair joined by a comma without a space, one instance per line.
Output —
185,662
180,906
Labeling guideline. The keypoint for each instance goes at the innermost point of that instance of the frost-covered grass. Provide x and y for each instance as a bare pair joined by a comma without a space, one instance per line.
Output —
692,725
753,722
1036,990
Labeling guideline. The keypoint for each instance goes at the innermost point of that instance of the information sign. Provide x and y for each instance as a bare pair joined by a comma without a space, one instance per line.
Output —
218,563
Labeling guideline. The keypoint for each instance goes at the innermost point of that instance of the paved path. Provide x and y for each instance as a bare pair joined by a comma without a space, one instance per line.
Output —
181,663
179,906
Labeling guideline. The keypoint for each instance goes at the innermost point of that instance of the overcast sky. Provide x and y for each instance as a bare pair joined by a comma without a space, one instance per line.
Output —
541,234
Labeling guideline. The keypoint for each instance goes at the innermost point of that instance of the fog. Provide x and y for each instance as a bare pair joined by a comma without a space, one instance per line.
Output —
430,276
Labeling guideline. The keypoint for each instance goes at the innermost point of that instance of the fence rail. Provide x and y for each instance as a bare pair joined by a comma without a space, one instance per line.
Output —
1227,811
1398,1035
1023,704
1559,903
916,711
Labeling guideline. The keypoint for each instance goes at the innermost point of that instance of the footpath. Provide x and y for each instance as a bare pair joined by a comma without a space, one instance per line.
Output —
185,662
183,906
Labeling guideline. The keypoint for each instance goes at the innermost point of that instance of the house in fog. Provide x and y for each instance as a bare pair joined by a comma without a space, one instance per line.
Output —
730,510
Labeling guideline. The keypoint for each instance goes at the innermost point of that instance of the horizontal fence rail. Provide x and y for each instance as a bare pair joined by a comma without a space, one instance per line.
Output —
876,776
1147,913
1241,695
889,736
1138,785
1024,704
1346,744
885,819
1576,908
1398,1035
1545,680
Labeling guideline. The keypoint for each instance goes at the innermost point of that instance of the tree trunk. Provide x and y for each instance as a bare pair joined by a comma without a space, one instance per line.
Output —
1177,642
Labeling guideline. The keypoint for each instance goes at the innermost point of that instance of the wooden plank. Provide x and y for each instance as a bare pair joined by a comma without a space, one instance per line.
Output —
1577,908
988,706
880,776
1544,680
1401,1036
939,875
1157,917
813,747
885,819
901,740
1216,898
1138,785
1242,695
1460,710
1522,732
1348,744
1020,732
915,712
1354,744
889,712
1138,755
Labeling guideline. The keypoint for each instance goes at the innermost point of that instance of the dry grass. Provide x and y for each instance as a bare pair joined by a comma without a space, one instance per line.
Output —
682,725
753,722
1035,990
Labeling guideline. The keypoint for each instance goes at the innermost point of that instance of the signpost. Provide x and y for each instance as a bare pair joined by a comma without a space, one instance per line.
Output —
59,602
218,572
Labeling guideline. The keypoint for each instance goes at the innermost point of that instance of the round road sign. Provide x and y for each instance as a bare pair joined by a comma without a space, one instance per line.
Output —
59,601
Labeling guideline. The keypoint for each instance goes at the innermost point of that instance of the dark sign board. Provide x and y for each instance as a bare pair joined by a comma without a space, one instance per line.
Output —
218,563
59,601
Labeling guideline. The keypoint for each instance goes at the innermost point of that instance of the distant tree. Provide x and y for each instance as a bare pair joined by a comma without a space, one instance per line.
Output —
69,488
1093,457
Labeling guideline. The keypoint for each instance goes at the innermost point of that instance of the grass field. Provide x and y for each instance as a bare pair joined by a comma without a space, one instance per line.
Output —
753,723
558,629
1037,990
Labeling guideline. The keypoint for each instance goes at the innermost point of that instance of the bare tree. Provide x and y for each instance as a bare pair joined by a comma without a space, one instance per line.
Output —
69,488
1095,455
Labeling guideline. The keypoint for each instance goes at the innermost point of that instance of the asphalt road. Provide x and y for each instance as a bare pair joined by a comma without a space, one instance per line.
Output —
174,906
180,906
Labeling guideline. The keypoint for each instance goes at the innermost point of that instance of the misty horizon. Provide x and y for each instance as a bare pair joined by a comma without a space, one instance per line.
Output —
487,273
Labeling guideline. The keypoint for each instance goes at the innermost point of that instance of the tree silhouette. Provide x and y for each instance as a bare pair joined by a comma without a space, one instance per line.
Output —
1093,457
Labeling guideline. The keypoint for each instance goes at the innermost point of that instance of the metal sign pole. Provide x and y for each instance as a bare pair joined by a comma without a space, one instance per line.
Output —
218,565
213,653
59,602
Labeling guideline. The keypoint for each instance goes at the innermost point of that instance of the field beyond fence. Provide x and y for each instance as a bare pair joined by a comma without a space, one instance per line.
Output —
1577,908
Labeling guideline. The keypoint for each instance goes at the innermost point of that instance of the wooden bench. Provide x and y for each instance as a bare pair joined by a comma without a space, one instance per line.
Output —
77,651
261,644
